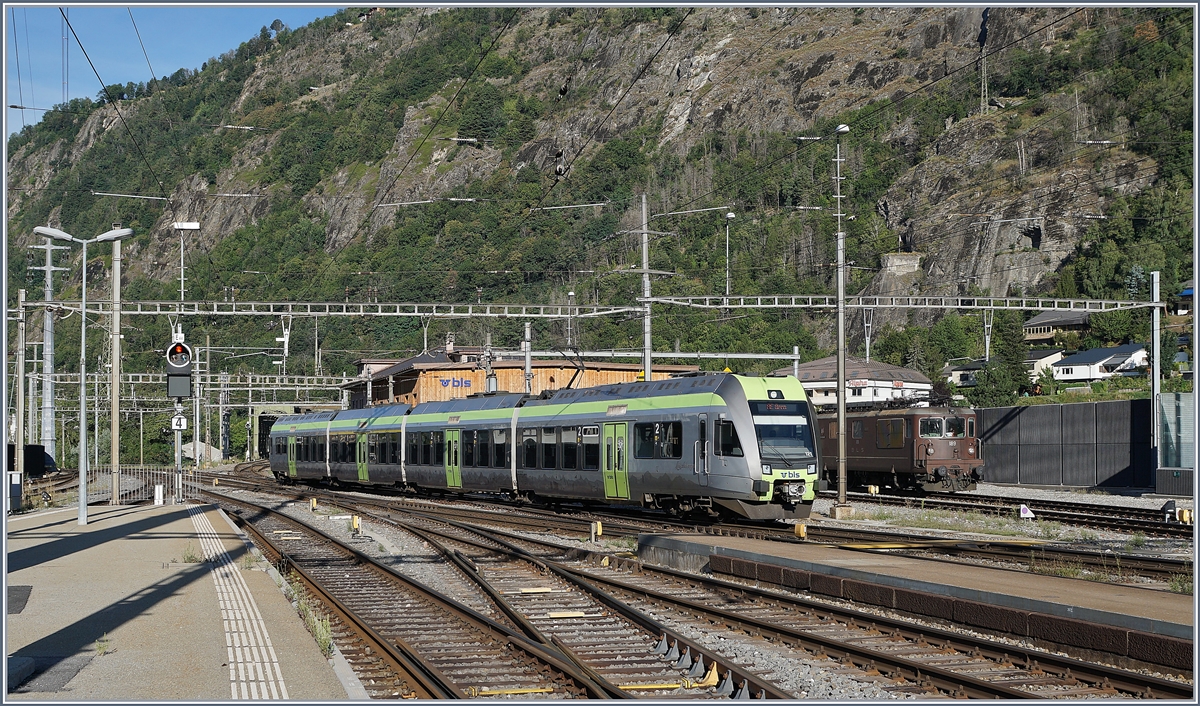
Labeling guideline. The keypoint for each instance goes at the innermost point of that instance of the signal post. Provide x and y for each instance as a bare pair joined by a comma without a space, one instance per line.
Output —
179,386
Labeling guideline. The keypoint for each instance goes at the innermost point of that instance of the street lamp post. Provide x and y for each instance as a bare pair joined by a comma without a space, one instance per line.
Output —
110,236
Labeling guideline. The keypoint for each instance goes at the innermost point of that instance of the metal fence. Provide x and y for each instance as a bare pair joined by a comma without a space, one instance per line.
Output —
137,484
1177,434
1084,444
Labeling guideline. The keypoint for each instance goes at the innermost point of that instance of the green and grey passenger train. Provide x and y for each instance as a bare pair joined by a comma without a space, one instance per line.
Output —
718,444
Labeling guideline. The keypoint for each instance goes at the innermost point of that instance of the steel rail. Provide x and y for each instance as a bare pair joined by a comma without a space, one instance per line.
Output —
751,682
1127,682
464,613
429,683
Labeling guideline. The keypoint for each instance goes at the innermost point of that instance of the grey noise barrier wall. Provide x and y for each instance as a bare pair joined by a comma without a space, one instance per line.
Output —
1083,444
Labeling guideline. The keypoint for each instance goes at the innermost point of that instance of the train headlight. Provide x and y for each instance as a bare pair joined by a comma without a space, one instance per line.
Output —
766,469
971,450
812,469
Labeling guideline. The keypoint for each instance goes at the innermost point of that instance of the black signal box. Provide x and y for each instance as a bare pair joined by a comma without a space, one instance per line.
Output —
179,370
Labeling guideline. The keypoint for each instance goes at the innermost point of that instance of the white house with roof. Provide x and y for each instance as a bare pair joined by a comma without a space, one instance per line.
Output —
1038,360
869,382
1101,363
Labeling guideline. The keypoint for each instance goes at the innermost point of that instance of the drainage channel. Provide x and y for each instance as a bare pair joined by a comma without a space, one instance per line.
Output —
414,642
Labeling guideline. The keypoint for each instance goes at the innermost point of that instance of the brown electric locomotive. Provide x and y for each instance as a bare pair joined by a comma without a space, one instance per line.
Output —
933,449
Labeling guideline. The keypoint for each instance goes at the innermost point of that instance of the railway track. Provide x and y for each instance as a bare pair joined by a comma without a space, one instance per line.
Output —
407,640
1128,520
1033,555
920,659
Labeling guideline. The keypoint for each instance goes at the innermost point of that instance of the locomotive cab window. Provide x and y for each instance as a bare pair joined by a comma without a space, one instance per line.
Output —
971,427
955,427
931,427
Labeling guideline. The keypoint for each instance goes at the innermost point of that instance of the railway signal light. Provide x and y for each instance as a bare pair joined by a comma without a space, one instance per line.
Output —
179,370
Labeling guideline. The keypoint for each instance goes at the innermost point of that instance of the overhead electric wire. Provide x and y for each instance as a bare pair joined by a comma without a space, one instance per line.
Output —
17,54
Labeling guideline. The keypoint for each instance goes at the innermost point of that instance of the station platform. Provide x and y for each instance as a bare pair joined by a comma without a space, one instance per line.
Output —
1142,624
152,603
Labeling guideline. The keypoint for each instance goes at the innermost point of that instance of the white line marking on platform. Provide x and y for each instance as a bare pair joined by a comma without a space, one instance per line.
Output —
246,636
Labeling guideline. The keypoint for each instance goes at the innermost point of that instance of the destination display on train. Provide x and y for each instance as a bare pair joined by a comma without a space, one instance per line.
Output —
777,408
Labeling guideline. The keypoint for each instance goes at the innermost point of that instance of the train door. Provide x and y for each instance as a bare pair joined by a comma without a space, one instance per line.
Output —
360,457
701,468
615,461
453,460
291,455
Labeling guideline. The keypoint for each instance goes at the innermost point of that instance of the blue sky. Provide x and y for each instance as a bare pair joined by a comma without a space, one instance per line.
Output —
174,36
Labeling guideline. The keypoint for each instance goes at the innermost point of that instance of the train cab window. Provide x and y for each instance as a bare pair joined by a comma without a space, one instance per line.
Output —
468,444
500,449
728,443
550,448
591,448
971,427
955,427
426,448
439,447
529,448
856,429
570,448
931,427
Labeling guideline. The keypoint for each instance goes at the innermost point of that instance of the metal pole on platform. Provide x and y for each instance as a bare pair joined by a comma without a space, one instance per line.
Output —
1156,368
842,509
18,439
647,342
114,425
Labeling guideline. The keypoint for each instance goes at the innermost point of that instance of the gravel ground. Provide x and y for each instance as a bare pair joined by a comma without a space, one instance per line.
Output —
806,679
943,523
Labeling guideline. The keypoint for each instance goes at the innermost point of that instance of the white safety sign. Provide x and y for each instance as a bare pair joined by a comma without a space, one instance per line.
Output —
179,423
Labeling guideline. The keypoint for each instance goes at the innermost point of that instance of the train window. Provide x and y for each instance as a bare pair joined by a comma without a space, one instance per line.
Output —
971,427
643,440
728,443
373,448
426,448
857,429
591,448
439,447
500,457
414,448
549,448
483,447
396,448
320,450
955,427
890,434
670,442
529,448
570,448
931,427
468,444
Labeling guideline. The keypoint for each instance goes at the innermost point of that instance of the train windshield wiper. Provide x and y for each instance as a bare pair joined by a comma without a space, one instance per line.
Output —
779,455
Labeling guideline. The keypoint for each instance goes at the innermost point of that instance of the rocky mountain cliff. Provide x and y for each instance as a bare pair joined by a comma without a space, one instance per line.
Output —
335,123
